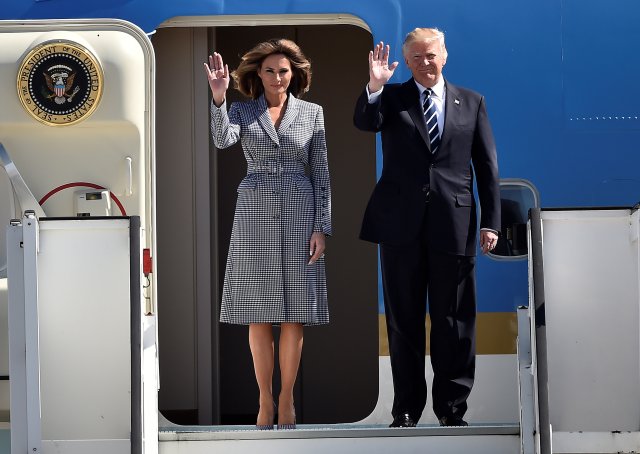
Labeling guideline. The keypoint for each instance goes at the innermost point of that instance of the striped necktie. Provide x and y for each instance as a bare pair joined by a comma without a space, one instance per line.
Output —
431,117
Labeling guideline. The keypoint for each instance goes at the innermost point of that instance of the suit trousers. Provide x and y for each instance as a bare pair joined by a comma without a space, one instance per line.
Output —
413,275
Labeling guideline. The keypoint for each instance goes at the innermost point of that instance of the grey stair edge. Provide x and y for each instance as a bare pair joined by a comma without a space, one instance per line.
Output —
185,433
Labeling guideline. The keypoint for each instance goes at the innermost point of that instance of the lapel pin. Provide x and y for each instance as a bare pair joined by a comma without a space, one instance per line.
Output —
455,101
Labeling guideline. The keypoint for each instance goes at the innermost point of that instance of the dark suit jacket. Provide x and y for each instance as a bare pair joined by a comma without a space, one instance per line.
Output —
396,209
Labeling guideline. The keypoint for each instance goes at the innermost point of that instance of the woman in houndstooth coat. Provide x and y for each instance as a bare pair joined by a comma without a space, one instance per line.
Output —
275,272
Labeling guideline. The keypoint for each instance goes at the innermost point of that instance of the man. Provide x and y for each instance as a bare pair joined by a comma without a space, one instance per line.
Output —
435,137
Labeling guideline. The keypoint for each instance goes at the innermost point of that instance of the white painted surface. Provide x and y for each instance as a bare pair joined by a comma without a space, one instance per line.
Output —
592,314
494,398
4,348
86,377
7,212
4,327
480,444
17,345
150,381
86,447
595,442
114,148
31,334
528,427
84,313
94,150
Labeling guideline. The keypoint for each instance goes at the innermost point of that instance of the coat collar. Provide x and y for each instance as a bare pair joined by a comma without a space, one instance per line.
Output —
262,113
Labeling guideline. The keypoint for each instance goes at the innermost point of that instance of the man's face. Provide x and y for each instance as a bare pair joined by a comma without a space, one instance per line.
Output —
425,60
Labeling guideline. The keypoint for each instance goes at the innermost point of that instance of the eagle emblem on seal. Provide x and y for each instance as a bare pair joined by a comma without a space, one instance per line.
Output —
59,79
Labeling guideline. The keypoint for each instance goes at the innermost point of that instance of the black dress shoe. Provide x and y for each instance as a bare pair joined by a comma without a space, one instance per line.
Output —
449,421
403,420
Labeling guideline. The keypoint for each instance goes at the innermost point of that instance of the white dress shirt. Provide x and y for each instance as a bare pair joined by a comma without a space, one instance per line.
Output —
438,96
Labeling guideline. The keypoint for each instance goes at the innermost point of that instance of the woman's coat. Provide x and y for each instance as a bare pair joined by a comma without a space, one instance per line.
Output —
285,197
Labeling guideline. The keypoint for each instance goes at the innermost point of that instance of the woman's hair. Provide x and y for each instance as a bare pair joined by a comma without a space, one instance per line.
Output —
246,76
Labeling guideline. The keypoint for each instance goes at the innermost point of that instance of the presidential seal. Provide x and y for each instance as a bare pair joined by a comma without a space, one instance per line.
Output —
60,83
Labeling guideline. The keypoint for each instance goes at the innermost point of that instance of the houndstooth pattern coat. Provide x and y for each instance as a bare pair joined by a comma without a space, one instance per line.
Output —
279,206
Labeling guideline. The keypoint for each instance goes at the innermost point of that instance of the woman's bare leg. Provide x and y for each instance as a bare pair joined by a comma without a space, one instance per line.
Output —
261,344
290,350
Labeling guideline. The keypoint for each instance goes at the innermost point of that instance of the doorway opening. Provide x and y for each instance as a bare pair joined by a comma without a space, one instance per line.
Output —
206,373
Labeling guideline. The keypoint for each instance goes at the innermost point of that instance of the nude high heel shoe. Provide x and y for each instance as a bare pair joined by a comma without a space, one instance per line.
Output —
268,426
289,426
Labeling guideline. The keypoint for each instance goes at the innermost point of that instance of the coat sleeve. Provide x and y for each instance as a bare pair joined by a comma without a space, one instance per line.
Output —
485,164
225,128
368,117
319,175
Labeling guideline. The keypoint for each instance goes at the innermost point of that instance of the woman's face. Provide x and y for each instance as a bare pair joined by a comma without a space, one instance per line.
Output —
275,74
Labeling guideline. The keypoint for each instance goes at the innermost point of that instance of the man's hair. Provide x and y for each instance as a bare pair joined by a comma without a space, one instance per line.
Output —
424,34
246,76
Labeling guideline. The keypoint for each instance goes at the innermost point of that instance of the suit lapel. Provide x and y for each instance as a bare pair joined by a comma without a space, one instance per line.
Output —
290,114
411,101
262,114
451,112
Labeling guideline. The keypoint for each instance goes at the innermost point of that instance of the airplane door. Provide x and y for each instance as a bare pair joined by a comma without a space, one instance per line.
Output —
77,126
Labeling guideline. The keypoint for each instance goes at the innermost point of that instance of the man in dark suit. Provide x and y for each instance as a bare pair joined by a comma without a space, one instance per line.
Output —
435,138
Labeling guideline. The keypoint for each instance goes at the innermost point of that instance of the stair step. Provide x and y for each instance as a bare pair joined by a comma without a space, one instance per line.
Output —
329,431
341,439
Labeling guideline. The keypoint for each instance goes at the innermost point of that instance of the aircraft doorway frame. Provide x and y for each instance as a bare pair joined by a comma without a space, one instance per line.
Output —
205,199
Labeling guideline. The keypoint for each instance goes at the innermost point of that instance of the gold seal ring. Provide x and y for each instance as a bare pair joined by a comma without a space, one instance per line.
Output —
60,83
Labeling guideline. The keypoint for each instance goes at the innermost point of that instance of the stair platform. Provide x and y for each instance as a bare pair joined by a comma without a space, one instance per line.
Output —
341,439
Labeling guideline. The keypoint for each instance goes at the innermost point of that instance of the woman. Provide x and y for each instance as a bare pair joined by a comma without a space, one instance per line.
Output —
275,272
